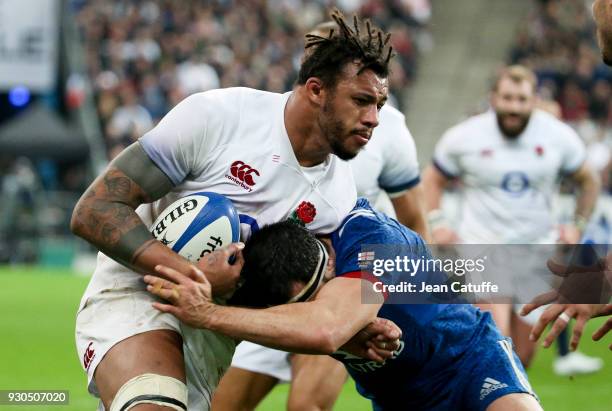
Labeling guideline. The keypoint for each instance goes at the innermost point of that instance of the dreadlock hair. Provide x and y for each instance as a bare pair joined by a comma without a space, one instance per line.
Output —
275,258
331,53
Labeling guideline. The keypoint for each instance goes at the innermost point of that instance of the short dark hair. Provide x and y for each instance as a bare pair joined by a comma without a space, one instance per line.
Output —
275,258
517,74
333,52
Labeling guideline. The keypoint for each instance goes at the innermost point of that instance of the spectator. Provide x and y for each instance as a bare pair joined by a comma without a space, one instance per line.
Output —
558,42
153,53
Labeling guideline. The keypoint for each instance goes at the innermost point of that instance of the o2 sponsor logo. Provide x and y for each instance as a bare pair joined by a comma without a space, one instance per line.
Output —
515,183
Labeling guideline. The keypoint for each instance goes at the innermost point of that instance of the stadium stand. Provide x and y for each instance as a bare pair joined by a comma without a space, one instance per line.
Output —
557,41
145,56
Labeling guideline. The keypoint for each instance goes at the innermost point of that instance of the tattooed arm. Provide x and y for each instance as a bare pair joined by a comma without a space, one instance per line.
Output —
105,215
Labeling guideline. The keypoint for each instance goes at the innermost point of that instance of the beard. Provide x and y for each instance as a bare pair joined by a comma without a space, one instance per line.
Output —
333,129
512,132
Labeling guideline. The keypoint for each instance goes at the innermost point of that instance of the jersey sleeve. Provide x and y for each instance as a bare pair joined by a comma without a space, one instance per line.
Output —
446,153
400,168
179,143
574,151
364,231
369,244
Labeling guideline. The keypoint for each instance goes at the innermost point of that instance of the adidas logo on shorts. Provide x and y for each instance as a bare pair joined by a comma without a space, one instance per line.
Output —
489,386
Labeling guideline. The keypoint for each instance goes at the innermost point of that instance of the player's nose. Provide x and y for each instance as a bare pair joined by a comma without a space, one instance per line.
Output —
370,117
514,106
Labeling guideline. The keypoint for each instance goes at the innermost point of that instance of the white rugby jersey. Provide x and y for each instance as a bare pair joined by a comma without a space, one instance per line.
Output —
508,185
233,142
388,162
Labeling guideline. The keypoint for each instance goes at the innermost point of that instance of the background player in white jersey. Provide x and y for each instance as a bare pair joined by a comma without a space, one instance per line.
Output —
386,172
508,161
268,153
388,164
388,169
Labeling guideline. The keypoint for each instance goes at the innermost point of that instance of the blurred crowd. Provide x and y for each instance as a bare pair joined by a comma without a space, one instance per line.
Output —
558,41
144,56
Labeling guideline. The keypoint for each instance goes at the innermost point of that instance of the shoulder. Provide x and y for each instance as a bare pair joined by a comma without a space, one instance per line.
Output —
477,122
391,114
392,133
364,225
546,121
391,122
254,94
556,133
471,127
232,97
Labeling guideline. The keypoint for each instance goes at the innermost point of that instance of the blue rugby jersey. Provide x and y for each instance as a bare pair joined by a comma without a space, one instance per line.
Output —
436,337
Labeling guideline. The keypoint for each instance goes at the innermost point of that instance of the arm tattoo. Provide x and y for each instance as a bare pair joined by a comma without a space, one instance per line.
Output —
117,185
105,215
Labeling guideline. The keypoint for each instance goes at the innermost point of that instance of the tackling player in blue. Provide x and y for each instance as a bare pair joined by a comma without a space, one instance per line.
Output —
450,357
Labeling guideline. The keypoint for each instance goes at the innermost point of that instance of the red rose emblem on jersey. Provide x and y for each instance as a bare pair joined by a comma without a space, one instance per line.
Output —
539,151
306,212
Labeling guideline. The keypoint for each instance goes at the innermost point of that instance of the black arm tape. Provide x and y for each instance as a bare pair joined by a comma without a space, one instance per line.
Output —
124,251
137,165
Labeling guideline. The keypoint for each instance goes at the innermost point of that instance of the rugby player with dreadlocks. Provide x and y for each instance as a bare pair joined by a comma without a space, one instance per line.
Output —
387,173
287,150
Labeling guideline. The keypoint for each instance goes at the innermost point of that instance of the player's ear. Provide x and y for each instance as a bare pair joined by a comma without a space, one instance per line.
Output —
492,95
315,90
330,272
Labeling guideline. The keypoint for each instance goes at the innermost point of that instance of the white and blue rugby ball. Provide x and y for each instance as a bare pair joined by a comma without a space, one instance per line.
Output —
198,224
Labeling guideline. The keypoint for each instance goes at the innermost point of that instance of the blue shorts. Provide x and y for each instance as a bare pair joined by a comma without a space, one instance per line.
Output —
496,371
488,371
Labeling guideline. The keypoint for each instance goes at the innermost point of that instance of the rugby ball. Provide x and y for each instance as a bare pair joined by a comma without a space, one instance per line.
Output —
198,224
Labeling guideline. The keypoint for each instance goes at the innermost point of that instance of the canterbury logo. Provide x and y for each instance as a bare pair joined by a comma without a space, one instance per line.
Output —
88,356
243,172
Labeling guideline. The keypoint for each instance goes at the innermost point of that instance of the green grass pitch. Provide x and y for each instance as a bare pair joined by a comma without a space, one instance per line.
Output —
37,309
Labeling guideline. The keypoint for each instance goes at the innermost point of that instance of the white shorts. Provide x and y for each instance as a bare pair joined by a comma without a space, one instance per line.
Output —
263,360
110,315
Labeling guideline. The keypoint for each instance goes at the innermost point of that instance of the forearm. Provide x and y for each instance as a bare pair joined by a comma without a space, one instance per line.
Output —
108,223
410,211
293,328
433,186
105,215
320,326
419,224
587,197
115,229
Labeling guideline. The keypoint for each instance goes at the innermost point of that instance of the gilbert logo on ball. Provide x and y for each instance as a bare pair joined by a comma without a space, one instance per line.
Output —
198,224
